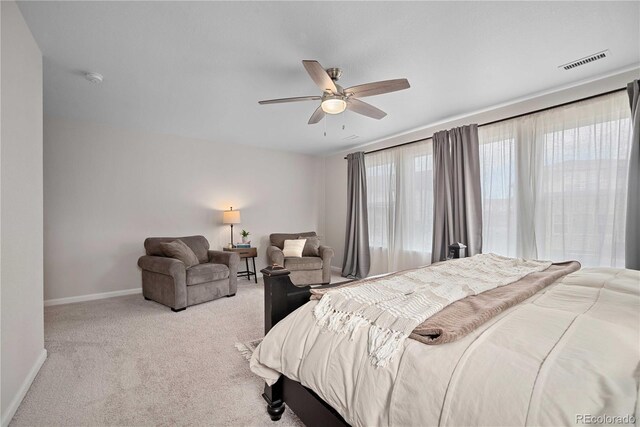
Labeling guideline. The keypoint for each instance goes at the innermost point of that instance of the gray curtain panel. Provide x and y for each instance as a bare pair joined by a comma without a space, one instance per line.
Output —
632,233
465,188
442,212
457,206
357,258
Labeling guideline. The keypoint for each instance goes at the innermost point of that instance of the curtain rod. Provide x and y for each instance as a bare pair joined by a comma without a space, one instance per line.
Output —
505,119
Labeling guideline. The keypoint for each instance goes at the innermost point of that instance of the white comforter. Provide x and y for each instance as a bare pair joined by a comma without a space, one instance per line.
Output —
570,352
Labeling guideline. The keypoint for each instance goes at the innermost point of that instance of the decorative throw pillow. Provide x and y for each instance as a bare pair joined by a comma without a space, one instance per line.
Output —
180,251
293,248
311,247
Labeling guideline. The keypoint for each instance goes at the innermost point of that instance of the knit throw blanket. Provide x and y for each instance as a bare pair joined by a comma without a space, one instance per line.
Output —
393,306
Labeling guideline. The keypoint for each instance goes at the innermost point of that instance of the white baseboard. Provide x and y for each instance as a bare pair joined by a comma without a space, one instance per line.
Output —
91,297
336,269
22,392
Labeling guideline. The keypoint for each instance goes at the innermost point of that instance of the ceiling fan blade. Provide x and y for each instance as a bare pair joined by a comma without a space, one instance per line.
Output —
296,99
365,109
320,76
378,88
316,116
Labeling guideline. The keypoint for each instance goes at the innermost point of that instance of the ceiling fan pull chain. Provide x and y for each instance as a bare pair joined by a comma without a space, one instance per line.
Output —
326,119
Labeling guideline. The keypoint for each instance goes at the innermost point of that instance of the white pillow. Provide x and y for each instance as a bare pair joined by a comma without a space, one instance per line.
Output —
293,248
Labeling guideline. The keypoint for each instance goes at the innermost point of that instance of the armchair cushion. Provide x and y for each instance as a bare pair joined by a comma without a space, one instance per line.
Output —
180,251
198,244
293,248
311,246
207,272
303,263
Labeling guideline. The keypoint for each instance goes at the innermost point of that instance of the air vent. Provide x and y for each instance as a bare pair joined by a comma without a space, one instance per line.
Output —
350,137
585,60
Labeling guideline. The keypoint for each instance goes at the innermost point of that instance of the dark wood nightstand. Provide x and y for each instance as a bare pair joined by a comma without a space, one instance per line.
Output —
246,253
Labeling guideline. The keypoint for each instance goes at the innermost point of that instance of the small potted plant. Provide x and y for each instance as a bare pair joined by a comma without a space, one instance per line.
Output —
245,236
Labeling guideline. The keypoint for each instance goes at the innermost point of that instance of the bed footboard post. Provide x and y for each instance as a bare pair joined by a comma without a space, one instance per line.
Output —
281,296
275,403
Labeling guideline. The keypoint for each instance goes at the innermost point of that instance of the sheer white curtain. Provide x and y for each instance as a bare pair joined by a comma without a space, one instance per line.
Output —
498,183
554,183
400,206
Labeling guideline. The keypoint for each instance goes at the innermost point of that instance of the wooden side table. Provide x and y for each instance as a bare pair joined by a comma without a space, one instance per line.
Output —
246,253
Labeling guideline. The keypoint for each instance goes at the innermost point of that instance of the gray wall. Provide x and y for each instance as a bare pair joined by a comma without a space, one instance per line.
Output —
106,189
336,167
20,210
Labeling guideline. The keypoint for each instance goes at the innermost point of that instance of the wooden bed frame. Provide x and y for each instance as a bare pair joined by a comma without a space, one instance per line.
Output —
282,297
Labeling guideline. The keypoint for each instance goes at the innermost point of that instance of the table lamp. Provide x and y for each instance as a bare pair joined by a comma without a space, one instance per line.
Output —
231,217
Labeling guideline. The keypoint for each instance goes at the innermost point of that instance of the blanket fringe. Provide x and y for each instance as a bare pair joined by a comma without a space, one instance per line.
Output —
244,350
383,343
336,320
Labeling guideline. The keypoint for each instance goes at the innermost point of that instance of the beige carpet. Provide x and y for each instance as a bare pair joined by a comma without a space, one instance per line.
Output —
127,361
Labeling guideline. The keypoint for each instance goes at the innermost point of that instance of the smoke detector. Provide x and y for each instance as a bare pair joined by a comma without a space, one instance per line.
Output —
94,78
587,59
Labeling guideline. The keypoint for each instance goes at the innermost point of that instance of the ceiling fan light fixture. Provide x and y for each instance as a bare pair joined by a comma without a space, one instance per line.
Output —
333,105
335,99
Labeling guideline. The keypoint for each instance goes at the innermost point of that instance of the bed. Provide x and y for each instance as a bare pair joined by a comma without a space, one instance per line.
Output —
569,354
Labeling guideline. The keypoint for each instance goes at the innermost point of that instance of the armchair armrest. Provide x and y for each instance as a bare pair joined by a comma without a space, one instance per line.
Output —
326,253
230,259
275,255
171,291
162,265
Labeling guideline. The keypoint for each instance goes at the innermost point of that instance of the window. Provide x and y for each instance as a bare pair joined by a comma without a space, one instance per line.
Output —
554,183
400,207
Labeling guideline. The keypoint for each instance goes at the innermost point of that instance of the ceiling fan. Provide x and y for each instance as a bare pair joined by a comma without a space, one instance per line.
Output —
335,99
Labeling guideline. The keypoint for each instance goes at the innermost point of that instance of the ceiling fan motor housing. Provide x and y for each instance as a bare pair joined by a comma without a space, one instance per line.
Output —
334,73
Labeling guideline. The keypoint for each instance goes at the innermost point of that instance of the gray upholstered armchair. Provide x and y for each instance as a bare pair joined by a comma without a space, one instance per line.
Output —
313,268
169,282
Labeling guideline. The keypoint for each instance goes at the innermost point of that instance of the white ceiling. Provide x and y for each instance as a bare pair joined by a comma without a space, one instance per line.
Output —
197,69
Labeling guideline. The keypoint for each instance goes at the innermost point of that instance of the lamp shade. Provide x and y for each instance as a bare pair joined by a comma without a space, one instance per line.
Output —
231,217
